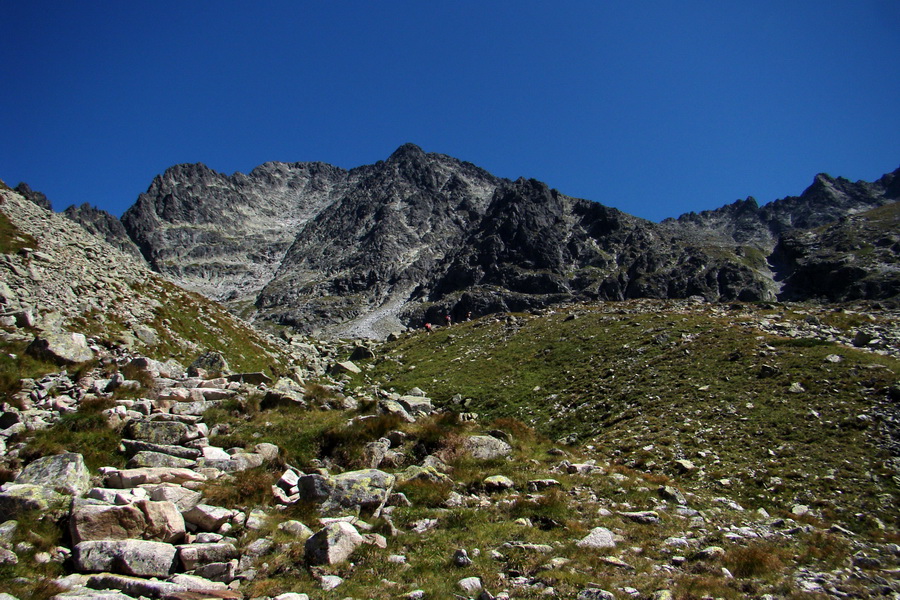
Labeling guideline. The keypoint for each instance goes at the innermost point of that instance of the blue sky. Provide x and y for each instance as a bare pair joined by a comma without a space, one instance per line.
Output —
656,108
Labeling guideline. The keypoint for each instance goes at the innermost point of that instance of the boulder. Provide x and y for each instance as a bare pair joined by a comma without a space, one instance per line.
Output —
158,432
211,362
207,517
193,556
486,447
599,538
92,522
164,521
333,544
146,458
19,498
127,557
366,488
183,498
65,473
129,478
63,348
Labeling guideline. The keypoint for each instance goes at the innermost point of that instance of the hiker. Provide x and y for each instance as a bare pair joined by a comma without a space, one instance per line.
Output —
447,320
428,327
469,316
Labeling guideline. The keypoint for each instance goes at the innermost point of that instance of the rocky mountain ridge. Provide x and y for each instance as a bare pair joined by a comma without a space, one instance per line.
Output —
363,252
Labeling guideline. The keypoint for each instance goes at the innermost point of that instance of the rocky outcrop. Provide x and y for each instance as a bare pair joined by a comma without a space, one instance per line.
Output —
852,259
33,195
104,225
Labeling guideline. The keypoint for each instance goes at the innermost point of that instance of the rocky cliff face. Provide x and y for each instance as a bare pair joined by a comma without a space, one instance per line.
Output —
226,236
421,235
104,225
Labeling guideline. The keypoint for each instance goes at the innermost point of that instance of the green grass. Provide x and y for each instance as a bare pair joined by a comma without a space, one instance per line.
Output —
11,238
621,378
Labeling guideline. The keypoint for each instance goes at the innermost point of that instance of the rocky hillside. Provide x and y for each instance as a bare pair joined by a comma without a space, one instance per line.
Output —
410,239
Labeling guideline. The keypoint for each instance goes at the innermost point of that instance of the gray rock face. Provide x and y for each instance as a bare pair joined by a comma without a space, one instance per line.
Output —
34,196
105,226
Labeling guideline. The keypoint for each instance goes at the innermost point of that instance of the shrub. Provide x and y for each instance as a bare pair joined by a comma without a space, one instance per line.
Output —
753,561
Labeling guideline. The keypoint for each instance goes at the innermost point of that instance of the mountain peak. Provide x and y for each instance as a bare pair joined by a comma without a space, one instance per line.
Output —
407,150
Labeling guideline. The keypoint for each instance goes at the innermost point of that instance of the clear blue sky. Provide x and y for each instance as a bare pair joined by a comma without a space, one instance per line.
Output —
656,108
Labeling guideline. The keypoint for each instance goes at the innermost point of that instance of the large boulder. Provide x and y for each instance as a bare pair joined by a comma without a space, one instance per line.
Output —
23,497
366,488
333,544
127,557
164,521
65,473
64,348
158,432
92,522
486,447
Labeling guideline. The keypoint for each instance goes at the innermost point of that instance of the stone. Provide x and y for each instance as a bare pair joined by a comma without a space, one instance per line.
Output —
207,517
64,348
91,522
183,498
329,582
416,405
157,432
710,552
65,473
470,585
127,557
595,594
646,517
536,485
486,447
16,499
195,555
461,558
333,544
129,478
158,459
164,521
366,488
672,493
685,466
498,483
296,529
345,367
598,538
133,586
211,362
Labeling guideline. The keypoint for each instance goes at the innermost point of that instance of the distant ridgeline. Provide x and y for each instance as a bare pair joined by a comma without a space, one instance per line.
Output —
420,235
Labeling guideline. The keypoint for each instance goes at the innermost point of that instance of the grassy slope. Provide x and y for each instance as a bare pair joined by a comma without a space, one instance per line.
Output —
646,387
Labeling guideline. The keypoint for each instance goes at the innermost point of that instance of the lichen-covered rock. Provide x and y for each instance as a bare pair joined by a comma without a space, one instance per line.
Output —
19,498
366,488
66,473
